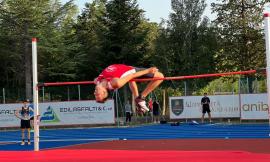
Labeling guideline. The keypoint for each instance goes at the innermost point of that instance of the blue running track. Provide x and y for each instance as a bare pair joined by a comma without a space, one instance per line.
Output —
10,140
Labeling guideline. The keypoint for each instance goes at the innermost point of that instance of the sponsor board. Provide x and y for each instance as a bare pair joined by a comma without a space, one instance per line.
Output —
221,106
253,106
63,113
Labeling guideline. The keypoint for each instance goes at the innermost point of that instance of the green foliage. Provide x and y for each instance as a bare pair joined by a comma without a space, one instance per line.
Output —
262,86
169,92
50,22
173,92
126,38
188,45
183,28
89,34
230,85
241,38
112,32
221,85
57,47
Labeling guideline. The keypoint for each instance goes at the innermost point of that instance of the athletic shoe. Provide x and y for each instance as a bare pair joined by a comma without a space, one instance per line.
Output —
29,143
141,105
22,143
140,110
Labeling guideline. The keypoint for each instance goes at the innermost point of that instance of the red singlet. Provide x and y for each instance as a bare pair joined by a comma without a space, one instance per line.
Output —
115,71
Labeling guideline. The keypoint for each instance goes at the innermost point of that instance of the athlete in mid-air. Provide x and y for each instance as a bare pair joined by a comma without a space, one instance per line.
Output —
117,75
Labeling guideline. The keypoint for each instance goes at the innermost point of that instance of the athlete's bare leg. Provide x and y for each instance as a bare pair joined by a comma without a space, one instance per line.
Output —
28,136
153,84
209,116
134,88
140,101
22,131
203,117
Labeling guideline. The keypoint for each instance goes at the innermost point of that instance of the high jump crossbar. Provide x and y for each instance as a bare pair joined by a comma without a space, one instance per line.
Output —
151,79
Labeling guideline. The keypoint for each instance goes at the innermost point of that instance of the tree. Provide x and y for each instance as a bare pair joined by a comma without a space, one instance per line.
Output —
163,51
125,41
90,31
18,19
58,48
112,32
241,38
183,25
188,44
23,19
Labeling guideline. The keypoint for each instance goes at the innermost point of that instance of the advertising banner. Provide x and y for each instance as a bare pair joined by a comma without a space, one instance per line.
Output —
63,113
221,106
254,106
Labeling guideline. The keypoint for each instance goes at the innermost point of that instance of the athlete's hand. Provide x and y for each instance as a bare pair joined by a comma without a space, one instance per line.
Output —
153,70
96,80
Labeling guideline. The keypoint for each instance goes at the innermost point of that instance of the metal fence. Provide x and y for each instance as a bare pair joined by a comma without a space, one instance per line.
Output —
213,86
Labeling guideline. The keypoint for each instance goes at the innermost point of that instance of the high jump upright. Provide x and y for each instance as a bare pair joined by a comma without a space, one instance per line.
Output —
267,46
35,94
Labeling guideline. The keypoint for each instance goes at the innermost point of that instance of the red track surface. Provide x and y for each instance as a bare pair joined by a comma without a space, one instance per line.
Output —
185,150
132,156
250,145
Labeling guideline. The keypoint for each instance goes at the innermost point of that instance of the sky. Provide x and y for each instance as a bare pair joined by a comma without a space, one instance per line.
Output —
154,9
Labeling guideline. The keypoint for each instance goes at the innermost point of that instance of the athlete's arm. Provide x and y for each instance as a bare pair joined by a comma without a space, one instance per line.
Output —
17,113
31,109
96,80
119,82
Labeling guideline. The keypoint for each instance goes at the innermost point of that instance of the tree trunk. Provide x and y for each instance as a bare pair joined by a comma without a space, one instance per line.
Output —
28,64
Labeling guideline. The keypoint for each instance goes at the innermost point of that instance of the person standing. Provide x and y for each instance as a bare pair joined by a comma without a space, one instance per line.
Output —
205,102
23,113
128,112
156,111
31,114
